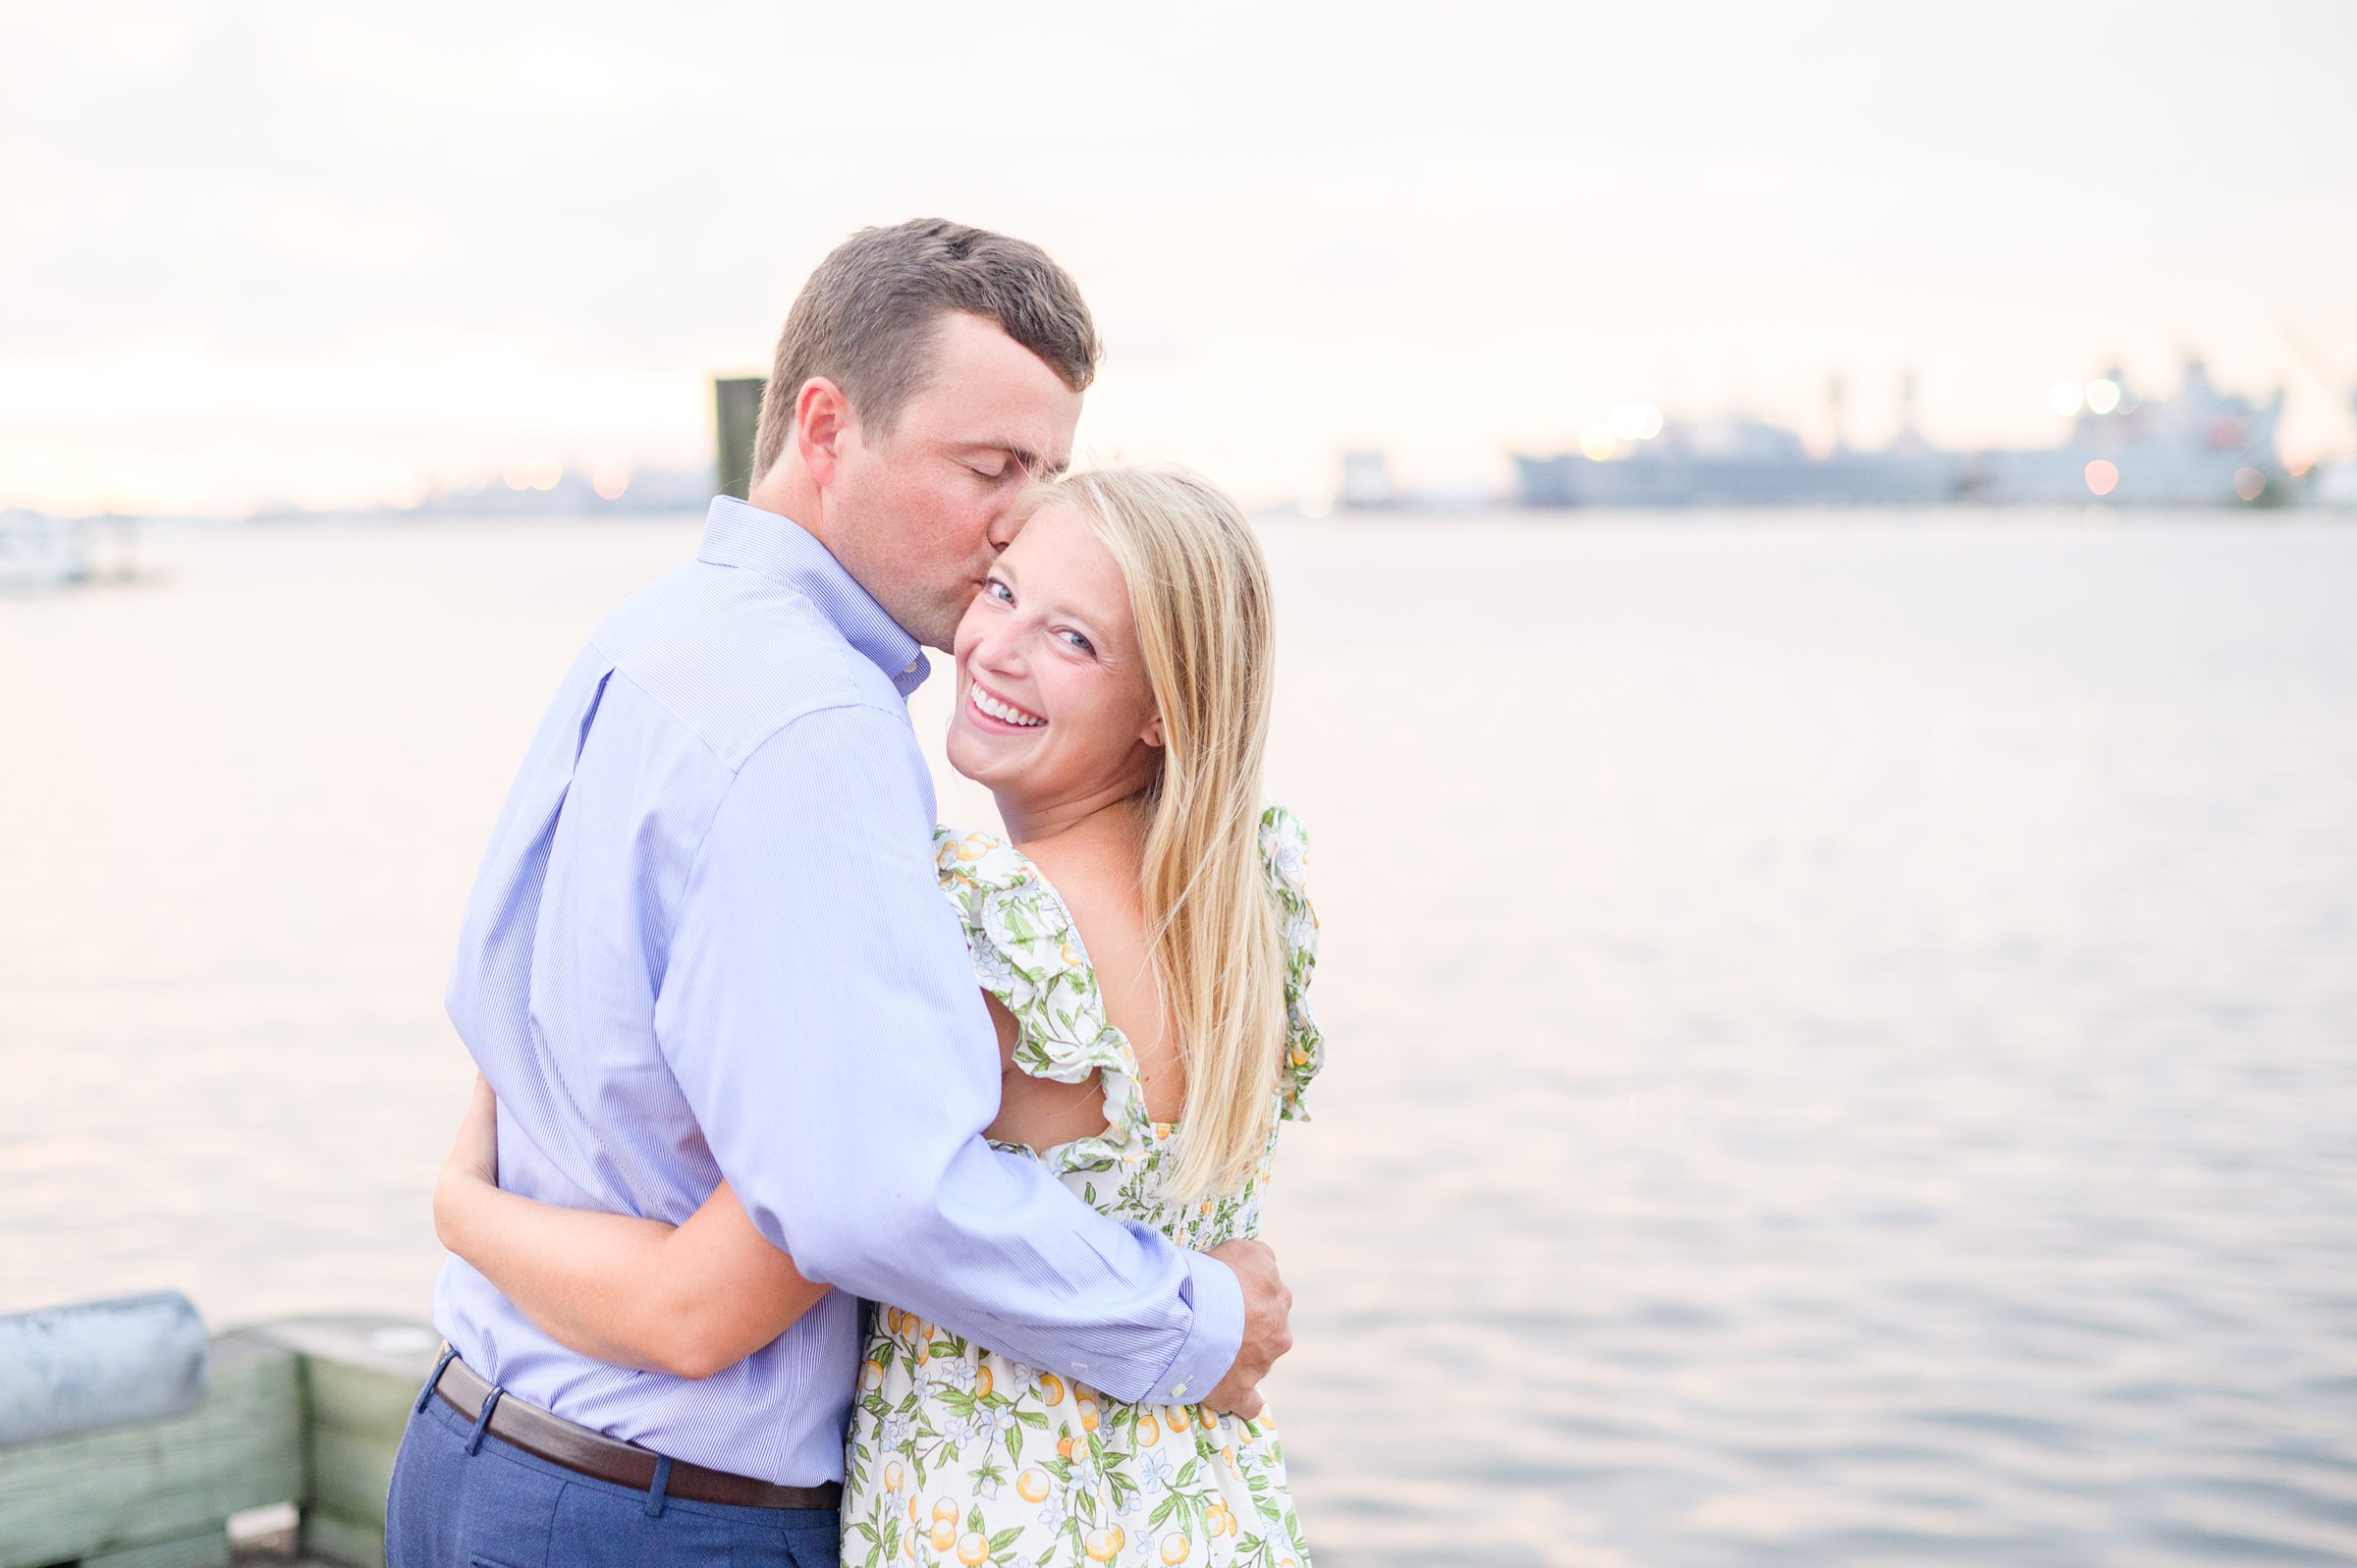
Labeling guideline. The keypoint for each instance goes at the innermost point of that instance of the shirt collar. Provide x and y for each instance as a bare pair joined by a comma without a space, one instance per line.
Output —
783,551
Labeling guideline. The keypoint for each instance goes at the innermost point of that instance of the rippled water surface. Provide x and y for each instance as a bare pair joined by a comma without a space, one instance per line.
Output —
1843,1032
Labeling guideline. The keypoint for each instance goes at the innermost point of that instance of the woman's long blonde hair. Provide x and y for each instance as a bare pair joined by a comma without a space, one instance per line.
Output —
1199,594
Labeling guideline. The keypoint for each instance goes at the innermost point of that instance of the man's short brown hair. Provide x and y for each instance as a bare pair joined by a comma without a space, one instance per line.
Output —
867,318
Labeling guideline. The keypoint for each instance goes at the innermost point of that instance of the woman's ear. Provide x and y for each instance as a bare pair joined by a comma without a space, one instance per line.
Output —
1153,734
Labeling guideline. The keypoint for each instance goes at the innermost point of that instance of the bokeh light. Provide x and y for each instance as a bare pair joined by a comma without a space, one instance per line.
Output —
2249,483
1636,421
610,480
2102,476
2103,394
2065,397
1598,442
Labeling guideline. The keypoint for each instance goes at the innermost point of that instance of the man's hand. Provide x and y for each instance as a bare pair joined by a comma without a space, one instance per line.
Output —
1268,1327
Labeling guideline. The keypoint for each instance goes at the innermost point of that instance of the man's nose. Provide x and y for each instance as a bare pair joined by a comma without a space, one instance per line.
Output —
1004,526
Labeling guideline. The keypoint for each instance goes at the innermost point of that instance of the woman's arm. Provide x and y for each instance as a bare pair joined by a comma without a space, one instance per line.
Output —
689,1300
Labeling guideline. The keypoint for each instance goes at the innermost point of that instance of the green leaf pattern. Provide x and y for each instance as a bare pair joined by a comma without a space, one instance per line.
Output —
960,1455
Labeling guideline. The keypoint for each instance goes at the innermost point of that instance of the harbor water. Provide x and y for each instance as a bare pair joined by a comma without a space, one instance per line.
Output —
1842,1027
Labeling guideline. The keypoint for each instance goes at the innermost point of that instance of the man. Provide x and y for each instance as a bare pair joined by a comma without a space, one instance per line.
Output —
706,942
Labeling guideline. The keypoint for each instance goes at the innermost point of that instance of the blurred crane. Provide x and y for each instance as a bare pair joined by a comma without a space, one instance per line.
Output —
2333,483
2313,361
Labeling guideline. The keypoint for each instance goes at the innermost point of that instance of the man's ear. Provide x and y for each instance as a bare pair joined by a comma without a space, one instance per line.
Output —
822,418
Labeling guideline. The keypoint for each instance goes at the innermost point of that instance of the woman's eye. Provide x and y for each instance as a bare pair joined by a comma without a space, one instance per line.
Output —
998,590
1076,640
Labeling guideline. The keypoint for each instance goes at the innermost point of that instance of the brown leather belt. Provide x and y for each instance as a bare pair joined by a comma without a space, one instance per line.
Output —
625,1464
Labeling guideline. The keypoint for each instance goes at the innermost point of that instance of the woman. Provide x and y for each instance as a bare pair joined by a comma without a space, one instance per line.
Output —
1144,943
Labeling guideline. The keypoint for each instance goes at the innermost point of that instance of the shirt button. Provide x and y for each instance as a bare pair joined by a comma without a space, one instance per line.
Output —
1178,1390
910,668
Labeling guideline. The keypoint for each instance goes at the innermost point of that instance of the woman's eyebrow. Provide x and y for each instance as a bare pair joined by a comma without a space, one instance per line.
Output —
1081,619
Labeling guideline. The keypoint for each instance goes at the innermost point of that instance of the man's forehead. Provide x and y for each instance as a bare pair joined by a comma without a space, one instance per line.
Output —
986,391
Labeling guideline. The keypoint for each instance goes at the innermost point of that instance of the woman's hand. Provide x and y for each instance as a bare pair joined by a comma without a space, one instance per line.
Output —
473,1163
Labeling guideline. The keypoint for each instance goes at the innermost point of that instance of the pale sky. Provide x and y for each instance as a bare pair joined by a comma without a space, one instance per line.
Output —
327,255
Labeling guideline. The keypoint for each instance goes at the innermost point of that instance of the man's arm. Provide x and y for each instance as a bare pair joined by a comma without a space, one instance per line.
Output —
821,1017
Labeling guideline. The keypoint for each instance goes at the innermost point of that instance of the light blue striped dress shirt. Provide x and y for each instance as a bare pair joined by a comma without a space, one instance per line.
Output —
708,938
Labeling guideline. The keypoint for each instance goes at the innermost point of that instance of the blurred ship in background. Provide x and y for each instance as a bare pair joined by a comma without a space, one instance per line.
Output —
1640,459
41,552
2204,447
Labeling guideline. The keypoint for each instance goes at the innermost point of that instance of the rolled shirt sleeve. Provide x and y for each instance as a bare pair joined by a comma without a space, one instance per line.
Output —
821,1018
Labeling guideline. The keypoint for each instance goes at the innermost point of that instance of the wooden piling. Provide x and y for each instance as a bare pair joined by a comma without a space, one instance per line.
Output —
361,1377
737,411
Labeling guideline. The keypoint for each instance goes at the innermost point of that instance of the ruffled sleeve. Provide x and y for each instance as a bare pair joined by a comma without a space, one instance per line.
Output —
1027,953
1285,860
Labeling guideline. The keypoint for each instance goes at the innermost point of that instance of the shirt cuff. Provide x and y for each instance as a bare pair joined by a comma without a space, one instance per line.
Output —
1217,1334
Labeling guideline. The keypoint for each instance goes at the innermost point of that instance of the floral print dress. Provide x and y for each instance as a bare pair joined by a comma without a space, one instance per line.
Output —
962,1455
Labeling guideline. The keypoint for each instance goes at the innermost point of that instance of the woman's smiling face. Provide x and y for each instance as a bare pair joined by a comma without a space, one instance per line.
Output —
1054,704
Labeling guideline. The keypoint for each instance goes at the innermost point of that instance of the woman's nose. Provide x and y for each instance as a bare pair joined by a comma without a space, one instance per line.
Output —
1000,647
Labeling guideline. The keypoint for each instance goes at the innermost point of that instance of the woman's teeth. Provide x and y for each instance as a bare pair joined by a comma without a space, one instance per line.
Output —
1004,713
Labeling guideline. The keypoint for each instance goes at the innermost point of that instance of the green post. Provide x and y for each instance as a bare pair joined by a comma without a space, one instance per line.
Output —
307,1411
737,407
159,1494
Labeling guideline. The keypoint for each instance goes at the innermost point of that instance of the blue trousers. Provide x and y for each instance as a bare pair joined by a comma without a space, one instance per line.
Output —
462,1498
